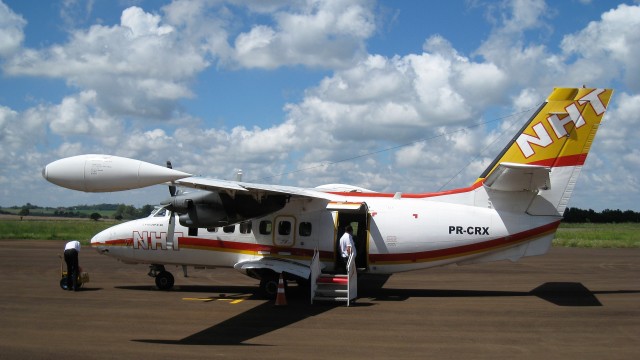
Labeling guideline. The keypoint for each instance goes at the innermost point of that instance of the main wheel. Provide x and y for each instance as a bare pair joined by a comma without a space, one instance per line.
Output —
164,280
269,286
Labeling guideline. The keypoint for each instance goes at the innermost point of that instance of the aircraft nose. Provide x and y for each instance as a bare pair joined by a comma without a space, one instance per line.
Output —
99,241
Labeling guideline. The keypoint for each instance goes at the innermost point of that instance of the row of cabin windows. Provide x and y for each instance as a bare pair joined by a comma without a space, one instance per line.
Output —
266,228
284,227
245,228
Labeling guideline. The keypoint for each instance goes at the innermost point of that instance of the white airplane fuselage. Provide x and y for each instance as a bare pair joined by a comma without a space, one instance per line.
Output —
394,235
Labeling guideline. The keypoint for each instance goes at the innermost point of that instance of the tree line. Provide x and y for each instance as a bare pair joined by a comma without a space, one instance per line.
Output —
95,212
575,215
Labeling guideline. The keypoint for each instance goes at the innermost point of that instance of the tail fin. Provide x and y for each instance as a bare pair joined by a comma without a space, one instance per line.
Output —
546,156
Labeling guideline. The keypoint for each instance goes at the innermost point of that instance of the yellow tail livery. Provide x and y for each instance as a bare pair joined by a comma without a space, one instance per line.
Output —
546,156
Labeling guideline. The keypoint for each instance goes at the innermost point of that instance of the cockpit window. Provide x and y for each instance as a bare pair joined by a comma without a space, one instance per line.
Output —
159,212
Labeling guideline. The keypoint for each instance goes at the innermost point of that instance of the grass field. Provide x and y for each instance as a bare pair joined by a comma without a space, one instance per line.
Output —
586,235
51,229
589,235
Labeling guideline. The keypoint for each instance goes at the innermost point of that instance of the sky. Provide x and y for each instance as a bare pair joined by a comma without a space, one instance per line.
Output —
409,96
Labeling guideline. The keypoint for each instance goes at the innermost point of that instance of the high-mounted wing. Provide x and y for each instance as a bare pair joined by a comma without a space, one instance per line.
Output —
210,184
221,203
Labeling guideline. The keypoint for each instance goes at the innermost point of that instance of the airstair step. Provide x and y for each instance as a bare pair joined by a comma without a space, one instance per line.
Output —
330,298
331,292
340,279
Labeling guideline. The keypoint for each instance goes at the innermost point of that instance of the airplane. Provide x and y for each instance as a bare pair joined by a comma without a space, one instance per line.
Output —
512,210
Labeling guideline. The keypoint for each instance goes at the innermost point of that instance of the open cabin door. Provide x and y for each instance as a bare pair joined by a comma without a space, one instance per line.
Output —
355,214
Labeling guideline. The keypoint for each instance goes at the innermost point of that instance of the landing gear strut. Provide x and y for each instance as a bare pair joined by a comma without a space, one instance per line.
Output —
164,279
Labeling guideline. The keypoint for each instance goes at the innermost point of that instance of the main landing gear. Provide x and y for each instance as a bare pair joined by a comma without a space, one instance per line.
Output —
164,279
269,285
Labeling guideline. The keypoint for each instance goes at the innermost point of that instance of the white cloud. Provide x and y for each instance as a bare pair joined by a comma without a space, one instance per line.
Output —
604,44
11,30
137,68
70,117
6,116
143,24
327,34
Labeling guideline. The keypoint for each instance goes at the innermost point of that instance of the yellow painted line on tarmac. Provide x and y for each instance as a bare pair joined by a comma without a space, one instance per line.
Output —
232,299
200,299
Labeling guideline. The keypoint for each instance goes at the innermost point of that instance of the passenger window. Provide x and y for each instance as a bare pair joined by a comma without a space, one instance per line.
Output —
284,228
212,229
229,229
245,227
265,227
304,229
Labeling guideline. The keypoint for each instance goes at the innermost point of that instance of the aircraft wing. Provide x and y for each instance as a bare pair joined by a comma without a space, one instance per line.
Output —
221,203
238,187
519,177
106,173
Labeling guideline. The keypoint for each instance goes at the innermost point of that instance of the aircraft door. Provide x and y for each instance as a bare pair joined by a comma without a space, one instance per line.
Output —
359,221
284,233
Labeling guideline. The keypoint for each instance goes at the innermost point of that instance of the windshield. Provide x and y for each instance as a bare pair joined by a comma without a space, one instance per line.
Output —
159,211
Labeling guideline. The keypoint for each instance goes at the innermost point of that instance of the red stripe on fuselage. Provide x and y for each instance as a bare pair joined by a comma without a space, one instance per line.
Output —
459,251
228,246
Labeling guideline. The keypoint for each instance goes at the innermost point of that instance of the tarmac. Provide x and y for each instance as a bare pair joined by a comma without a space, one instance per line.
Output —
568,304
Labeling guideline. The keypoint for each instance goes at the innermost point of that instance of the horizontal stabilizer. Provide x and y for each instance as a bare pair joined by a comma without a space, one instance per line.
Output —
518,177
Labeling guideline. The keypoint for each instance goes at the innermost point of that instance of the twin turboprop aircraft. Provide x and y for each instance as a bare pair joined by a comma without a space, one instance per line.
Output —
511,211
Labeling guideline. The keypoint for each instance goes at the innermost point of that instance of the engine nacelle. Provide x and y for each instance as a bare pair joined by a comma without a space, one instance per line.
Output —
212,209
204,215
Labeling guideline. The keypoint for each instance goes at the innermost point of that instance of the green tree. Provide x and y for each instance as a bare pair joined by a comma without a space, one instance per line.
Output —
95,216
146,210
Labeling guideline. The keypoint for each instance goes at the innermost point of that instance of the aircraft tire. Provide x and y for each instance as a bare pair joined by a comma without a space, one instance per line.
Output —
164,280
269,286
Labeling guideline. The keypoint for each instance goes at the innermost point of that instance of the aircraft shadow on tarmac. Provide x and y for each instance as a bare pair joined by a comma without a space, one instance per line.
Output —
558,293
250,324
266,317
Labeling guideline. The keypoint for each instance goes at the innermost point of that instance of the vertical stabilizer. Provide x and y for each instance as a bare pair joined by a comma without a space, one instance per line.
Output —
556,140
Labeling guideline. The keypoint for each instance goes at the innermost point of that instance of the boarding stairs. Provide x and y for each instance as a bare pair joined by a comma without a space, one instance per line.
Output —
333,287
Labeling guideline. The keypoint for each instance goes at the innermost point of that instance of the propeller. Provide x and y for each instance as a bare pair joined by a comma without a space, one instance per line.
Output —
172,215
172,188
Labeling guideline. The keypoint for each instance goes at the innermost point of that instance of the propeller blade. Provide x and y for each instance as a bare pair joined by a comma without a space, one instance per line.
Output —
171,230
172,188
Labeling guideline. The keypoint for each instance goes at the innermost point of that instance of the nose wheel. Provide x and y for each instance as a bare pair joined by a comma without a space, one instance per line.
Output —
164,279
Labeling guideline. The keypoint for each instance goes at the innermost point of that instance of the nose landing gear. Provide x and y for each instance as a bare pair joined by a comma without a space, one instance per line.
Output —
164,279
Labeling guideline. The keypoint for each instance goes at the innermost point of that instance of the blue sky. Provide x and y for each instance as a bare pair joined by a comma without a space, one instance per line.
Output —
276,87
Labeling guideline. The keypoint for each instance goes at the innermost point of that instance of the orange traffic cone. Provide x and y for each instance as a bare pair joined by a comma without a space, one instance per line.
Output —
280,298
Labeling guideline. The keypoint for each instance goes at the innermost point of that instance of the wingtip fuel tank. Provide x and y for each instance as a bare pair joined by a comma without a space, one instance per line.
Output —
106,173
